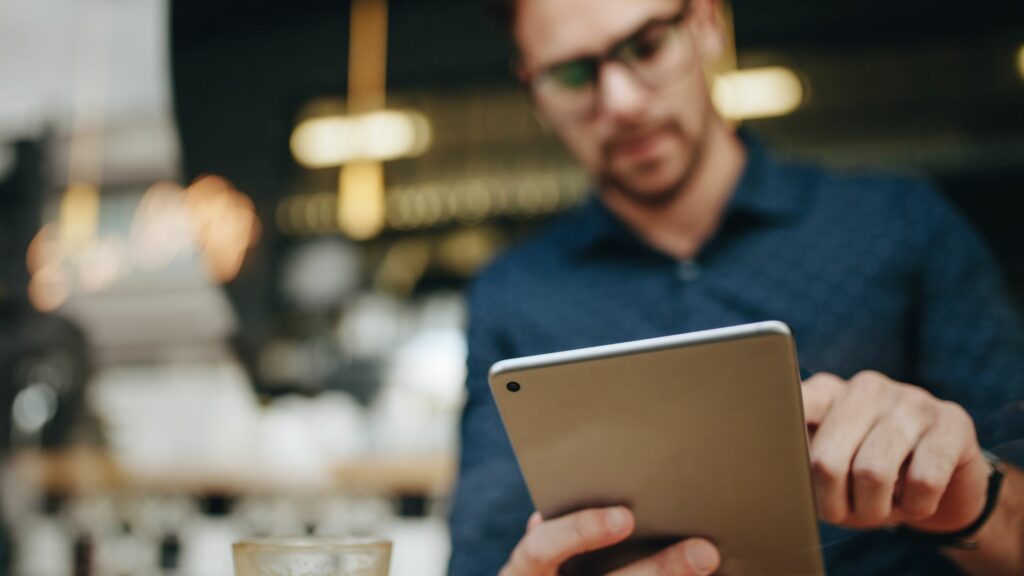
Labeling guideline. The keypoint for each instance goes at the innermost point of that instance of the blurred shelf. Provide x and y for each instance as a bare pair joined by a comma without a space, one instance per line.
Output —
82,471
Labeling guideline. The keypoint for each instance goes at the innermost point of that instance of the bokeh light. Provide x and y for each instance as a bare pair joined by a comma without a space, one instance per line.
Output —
49,288
225,224
758,93
160,228
375,136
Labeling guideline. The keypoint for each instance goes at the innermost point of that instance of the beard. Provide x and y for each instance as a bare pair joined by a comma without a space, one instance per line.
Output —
626,185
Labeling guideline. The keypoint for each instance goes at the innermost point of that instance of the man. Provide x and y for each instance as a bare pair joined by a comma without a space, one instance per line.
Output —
694,226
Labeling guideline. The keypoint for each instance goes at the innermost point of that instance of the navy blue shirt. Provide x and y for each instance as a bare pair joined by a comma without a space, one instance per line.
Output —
870,272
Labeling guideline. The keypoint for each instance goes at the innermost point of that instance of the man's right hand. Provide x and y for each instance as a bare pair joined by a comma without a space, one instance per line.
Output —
549,543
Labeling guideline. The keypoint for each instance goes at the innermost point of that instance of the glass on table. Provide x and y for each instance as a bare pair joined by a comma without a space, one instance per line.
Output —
312,556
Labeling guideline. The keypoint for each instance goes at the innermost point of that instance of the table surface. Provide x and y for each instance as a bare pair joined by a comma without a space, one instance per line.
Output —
84,470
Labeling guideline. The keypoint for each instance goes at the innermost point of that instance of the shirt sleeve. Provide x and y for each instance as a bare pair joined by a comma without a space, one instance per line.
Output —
970,336
491,505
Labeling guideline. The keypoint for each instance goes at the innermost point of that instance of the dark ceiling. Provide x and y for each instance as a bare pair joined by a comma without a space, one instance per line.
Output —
242,69
456,40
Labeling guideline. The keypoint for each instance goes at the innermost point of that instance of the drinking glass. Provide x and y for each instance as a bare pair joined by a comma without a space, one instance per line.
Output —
312,556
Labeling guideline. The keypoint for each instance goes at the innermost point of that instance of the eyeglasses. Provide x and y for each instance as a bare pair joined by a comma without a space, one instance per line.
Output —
651,53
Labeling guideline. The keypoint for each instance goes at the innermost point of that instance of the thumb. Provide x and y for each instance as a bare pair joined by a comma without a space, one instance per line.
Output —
691,557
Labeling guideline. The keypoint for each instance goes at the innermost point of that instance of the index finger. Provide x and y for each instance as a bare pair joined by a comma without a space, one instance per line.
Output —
819,392
547,545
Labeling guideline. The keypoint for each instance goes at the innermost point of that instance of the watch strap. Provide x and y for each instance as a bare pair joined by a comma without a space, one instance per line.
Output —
962,538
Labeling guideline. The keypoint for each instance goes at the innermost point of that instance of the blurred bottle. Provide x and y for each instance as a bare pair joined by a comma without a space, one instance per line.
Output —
82,555
126,552
43,545
206,540
170,554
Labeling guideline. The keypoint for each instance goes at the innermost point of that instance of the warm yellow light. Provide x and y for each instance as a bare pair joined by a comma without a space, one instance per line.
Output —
1020,61
210,216
49,288
160,227
102,264
224,222
758,93
367,55
44,250
79,216
361,206
376,136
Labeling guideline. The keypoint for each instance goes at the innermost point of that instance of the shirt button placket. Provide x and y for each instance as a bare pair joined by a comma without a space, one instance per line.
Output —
688,270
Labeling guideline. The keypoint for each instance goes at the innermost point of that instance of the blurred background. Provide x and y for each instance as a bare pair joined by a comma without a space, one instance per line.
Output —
235,236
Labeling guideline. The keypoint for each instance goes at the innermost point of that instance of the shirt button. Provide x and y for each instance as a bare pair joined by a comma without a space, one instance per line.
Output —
688,271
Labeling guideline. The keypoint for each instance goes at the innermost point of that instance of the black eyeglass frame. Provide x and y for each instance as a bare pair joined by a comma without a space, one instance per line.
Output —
595,62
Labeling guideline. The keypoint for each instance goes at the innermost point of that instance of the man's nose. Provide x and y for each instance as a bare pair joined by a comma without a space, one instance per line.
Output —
621,95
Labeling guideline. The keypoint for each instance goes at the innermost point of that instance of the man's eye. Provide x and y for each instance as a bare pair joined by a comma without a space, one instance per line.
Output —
646,45
572,74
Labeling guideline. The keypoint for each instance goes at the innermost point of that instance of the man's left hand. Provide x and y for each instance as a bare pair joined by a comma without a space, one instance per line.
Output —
885,453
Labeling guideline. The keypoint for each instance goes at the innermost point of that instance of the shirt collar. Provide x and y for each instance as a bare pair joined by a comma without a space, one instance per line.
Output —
764,190
762,193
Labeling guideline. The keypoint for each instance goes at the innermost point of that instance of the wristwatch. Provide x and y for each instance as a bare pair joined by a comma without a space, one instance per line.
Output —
962,538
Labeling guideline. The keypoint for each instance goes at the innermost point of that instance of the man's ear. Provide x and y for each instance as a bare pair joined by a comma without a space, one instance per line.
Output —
542,121
520,72
711,32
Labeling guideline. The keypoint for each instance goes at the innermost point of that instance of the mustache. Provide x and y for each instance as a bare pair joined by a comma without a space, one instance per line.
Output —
625,138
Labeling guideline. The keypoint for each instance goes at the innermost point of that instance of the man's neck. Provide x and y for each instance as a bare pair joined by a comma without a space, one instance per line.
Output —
681,227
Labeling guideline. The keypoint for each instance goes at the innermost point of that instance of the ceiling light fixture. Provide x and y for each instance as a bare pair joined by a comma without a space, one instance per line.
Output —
375,136
758,93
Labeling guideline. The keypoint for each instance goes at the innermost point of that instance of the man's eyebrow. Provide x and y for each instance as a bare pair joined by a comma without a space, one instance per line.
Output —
632,34
647,24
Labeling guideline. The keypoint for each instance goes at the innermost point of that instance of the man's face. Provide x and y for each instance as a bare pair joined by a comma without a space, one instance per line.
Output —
641,137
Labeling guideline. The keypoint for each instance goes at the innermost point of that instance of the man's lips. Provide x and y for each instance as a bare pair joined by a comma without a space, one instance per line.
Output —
638,147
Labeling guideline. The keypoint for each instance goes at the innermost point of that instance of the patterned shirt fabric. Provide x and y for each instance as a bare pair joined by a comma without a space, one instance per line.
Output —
870,272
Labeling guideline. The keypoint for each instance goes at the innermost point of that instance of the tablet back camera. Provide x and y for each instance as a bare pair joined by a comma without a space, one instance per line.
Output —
513,387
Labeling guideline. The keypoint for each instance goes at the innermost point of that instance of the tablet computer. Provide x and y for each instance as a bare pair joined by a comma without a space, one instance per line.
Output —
700,434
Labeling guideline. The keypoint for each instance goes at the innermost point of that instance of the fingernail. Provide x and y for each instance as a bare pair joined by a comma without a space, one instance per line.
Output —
702,556
617,519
